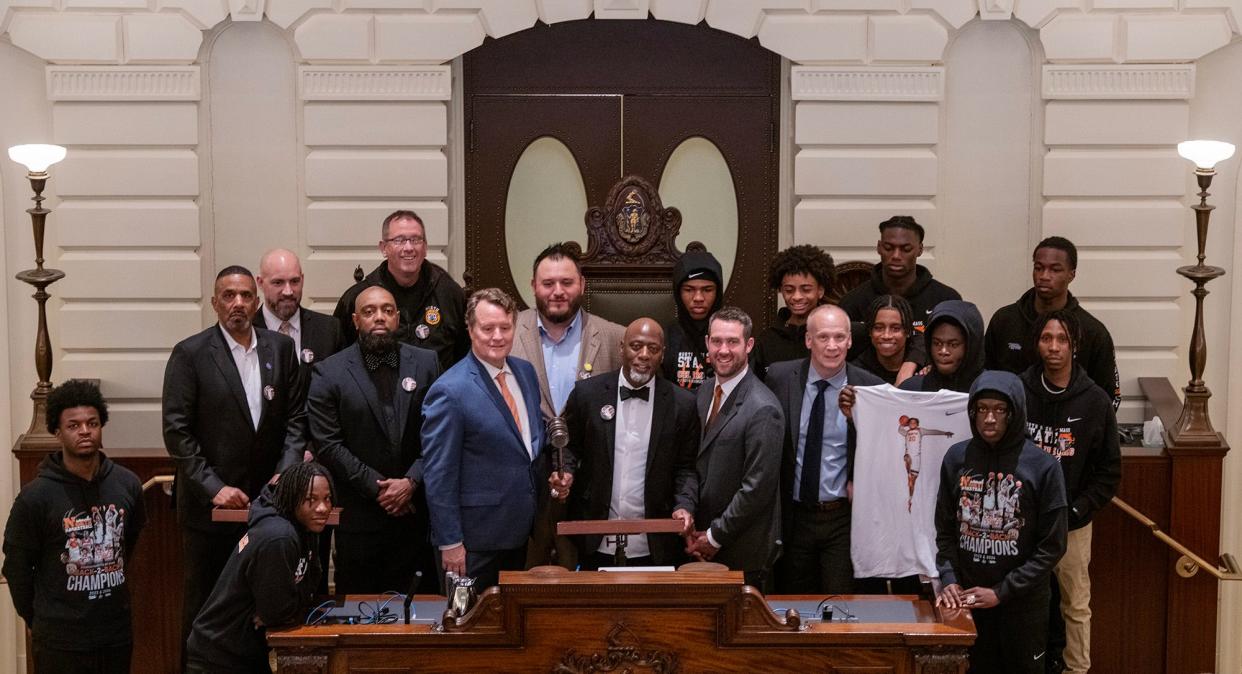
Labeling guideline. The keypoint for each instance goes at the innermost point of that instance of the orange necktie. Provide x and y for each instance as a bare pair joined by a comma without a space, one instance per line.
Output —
711,416
504,391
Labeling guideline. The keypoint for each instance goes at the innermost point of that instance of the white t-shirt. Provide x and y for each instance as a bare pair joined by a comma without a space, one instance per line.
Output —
902,440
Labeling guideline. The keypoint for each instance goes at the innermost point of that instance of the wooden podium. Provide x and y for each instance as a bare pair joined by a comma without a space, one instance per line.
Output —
560,621
619,530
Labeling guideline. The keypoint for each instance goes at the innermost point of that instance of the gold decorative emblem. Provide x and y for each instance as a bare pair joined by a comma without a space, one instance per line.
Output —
632,218
431,315
624,654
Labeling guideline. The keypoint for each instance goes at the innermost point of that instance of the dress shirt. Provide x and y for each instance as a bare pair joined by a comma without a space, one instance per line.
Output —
247,361
560,359
726,390
629,466
295,327
832,474
515,390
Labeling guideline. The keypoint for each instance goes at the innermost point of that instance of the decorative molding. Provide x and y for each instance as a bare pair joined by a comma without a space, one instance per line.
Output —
817,83
375,83
1131,82
123,83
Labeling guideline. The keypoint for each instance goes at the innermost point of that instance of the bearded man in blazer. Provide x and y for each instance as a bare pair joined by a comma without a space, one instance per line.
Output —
482,441
734,497
365,410
280,280
234,418
633,439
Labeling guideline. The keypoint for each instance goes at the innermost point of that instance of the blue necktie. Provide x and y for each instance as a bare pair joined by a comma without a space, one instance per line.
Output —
813,453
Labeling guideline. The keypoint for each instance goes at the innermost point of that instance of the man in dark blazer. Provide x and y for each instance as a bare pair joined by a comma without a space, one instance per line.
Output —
365,410
633,439
734,496
234,417
482,438
816,526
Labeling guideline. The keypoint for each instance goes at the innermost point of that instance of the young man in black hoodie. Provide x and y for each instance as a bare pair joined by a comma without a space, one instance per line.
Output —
1010,340
1072,419
269,578
954,340
698,292
802,275
1000,529
69,535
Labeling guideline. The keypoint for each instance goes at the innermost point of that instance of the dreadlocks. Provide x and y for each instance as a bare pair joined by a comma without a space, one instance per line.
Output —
295,485
1068,322
896,303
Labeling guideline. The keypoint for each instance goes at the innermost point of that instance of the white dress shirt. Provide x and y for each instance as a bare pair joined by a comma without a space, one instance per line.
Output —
629,466
247,361
515,390
295,327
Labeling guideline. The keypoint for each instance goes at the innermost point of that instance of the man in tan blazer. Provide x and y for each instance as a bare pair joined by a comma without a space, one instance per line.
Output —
565,344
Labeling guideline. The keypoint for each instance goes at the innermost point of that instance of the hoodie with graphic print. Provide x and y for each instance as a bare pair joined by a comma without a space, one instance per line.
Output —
66,546
685,338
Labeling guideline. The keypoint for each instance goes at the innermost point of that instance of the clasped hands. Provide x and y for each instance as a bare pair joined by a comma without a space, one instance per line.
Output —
697,544
953,596
394,495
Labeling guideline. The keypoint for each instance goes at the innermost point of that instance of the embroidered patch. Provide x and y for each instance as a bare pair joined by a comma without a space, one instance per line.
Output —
431,315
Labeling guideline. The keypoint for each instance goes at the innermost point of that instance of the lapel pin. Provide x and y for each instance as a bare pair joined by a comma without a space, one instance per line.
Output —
307,355
408,384
607,412
422,331
586,371
267,365
269,392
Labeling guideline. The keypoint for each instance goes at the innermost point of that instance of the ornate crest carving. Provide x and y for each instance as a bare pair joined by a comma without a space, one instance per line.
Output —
624,654
632,227
302,661
940,660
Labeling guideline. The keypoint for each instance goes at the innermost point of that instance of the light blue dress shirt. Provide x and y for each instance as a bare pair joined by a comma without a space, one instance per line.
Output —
560,360
832,472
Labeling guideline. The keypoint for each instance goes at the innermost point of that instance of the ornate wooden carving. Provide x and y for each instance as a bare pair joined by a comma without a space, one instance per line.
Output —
632,228
625,653
487,616
302,661
941,660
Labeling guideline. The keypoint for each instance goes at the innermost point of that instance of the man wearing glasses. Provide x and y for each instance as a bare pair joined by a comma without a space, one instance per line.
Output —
431,303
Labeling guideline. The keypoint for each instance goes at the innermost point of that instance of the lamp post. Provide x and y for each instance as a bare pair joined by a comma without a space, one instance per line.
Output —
1194,426
37,159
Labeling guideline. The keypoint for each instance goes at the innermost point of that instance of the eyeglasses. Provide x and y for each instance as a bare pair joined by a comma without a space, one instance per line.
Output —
400,241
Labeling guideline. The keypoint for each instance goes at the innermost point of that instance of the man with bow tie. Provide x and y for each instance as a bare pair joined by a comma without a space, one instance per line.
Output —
633,438
365,409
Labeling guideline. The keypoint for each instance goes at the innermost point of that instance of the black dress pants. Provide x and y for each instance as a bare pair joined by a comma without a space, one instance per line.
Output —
204,554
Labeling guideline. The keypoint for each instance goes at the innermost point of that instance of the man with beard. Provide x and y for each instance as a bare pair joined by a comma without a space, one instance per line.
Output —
365,411
234,418
734,496
315,336
633,437
997,560
565,344
78,613
698,291
430,301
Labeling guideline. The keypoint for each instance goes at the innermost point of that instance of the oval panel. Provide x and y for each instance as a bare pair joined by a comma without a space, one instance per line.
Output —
697,181
546,203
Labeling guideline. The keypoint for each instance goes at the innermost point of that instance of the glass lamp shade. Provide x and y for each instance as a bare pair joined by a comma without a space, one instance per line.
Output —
36,158
1205,153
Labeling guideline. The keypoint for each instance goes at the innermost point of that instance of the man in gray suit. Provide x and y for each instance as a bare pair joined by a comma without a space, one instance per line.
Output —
816,463
734,495
565,344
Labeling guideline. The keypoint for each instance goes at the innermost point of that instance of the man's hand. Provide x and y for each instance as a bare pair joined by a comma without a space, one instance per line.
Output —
845,401
454,559
687,520
905,371
980,597
700,548
560,483
394,495
230,497
950,596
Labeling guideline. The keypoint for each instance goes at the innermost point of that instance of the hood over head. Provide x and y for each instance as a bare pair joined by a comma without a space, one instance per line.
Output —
965,315
1007,386
263,507
692,266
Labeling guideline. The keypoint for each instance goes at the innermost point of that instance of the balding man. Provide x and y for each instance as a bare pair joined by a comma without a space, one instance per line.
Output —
633,437
280,279
365,409
817,459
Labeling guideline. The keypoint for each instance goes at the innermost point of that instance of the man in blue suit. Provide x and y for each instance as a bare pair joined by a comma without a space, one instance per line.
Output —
481,439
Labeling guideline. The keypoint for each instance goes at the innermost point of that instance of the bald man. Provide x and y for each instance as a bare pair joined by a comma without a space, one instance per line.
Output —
633,437
280,279
365,408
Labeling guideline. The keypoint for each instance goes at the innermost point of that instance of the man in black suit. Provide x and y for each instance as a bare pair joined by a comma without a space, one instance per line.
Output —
633,438
734,495
280,279
234,417
365,411
816,494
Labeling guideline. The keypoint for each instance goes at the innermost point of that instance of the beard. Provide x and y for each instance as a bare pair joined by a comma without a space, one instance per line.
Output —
563,317
382,342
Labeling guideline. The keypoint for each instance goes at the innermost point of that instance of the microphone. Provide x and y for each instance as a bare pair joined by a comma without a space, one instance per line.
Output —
409,596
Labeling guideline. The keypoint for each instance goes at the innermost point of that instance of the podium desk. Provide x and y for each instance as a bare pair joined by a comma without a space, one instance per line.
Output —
637,621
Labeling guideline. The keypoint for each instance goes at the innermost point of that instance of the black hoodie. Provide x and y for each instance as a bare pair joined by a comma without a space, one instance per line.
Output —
65,549
779,342
685,339
1000,510
271,575
1078,428
967,318
1010,343
923,296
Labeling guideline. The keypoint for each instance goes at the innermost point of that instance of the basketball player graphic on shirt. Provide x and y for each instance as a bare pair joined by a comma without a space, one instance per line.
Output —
913,433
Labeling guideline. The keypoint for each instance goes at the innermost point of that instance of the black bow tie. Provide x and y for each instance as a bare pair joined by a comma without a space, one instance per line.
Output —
641,393
374,360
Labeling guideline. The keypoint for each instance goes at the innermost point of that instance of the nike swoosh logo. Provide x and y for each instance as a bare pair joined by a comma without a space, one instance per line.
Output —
1071,420
1039,656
